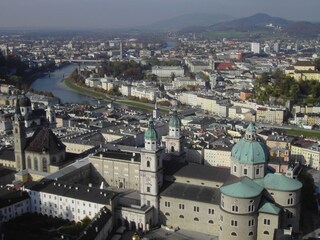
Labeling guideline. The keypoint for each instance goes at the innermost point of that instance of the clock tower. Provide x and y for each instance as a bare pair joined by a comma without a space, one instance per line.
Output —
151,172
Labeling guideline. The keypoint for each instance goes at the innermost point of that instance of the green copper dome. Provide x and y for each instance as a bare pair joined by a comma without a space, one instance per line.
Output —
175,121
244,188
248,150
280,182
151,133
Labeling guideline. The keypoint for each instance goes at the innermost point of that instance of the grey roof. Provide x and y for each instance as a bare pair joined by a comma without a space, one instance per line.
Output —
197,171
75,191
7,154
127,156
69,169
191,192
10,196
44,140
97,223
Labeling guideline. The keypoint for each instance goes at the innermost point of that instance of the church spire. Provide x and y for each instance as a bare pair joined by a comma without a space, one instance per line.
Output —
17,113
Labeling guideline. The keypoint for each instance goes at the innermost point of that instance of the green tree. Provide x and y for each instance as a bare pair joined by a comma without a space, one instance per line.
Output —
317,63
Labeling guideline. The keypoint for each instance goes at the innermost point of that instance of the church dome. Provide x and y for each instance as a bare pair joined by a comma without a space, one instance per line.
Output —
174,121
151,133
248,150
24,101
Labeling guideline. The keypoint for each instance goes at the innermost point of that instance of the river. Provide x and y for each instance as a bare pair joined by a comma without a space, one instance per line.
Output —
53,83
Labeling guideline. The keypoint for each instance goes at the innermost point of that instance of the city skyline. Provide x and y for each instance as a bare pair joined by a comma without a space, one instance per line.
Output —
121,14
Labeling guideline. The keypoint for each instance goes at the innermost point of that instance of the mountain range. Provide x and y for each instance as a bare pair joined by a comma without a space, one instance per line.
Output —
189,20
204,22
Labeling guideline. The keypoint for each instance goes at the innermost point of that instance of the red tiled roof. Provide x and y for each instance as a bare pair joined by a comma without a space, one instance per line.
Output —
225,66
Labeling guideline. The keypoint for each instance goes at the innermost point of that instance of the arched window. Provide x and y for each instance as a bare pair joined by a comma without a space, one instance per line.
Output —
235,208
44,165
172,148
196,219
29,162
250,233
233,234
290,201
266,233
251,207
167,214
35,163
210,221
181,216
148,163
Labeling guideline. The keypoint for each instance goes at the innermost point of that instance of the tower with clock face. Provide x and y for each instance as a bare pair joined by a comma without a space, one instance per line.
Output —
151,173
175,140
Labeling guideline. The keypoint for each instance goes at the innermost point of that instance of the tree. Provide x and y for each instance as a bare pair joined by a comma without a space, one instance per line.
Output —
317,63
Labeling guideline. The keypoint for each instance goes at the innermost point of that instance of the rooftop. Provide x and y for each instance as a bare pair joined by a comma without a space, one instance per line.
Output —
245,188
191,192
75,191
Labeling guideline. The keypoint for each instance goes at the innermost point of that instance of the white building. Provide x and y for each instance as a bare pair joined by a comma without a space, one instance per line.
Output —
13,203
69,201
167,71
255,48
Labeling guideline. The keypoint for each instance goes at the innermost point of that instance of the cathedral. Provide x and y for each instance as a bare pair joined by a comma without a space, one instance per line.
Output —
243,202
155,185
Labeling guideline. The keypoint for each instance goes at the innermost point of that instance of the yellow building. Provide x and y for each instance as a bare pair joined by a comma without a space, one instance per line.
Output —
309,156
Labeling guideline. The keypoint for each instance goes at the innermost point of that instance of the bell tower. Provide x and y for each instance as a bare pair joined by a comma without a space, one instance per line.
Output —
19,135
175,140
151,172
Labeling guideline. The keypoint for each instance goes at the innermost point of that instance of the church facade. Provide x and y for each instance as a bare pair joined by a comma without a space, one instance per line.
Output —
243,202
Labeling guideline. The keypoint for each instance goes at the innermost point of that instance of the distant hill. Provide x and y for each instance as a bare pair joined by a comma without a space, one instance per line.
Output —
255,21
189,20
259,21
302,28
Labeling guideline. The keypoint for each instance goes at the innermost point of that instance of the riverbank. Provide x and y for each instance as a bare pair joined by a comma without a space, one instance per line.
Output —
91,93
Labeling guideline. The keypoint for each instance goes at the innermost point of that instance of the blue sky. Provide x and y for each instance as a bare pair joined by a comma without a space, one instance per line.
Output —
128,13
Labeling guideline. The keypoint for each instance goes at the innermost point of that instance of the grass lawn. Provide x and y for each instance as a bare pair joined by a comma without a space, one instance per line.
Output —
84,91
92,93
305,133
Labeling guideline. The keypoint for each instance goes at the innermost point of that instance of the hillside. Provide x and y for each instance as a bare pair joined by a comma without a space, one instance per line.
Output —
189,20
249,23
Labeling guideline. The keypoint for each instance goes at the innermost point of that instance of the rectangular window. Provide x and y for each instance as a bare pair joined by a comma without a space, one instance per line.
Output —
245,171
251,222
210,211
234,223
181,206
148,189
167,204
266,221
196,208
257,171
148,203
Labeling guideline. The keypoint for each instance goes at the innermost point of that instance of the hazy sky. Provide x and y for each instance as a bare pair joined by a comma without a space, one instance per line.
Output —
127,13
